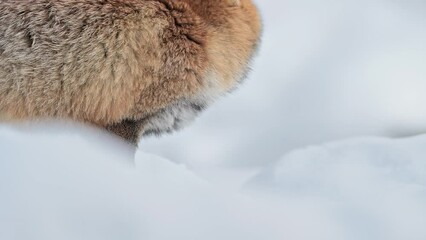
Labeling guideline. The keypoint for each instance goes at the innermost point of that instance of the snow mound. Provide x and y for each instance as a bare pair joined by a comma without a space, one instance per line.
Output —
372,188
76,183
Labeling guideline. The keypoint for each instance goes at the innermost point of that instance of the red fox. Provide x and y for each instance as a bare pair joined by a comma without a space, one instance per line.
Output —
133,67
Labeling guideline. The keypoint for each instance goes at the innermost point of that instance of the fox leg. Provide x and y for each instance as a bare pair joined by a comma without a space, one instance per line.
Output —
129,130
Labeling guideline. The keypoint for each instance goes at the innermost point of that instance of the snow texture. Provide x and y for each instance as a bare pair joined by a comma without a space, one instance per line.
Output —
256,165
77,186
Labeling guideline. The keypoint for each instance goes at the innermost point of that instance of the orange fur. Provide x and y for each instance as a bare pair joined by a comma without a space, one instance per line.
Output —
120,63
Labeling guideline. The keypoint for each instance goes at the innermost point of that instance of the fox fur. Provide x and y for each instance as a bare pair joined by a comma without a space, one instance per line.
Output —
133,67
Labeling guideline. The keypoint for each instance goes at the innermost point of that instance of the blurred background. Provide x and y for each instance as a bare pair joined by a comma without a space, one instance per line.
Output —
327,70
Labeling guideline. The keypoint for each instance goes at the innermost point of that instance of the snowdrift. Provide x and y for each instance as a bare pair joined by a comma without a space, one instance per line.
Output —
77,183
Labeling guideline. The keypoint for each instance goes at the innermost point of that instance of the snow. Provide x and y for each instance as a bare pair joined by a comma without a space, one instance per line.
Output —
375,188
315,145
75,186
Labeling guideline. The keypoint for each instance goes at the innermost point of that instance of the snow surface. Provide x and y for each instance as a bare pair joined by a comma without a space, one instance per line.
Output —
256,165
77,186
